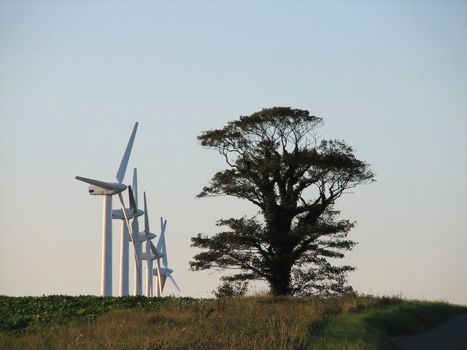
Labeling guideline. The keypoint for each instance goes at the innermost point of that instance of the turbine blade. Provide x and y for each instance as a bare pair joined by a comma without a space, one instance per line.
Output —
159,280
153,249
146,217
159,277
130,231
162,278
132,200
135,185
126,155
161,247
106,185
171,279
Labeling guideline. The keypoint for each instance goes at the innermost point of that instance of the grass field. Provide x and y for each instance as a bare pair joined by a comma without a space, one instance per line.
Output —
86,322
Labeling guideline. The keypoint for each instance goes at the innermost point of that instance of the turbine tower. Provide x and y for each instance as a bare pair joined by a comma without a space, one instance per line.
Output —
107,190
137,238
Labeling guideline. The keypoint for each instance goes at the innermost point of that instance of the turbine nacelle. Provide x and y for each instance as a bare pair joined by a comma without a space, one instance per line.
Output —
150,235
118,213
142,236
153,257
156,252
102,188
164,271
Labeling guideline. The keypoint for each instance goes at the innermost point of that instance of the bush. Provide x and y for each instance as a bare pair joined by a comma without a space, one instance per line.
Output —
231,289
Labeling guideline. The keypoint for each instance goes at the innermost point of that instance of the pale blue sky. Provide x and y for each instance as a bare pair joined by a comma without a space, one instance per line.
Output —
390,78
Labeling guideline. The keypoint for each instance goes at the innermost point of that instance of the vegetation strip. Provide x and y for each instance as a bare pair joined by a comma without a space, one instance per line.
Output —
20,314
347,322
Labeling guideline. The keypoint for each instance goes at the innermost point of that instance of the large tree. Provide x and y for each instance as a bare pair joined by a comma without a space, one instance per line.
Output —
277,162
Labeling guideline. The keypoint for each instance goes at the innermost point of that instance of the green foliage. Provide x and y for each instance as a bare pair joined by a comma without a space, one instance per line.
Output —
412,317
231,289
371,327
278,163
30,313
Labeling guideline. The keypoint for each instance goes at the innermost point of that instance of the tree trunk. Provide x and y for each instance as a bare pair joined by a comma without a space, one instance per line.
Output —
281,264
280,279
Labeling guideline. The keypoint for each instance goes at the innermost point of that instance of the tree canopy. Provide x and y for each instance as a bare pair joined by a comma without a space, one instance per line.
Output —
277,162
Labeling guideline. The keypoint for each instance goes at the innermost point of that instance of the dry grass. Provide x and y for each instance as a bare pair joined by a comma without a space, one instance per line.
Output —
243,323
349,322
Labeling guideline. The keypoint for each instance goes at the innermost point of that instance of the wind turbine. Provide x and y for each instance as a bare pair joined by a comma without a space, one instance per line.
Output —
163,273
148,256
108,189
131,213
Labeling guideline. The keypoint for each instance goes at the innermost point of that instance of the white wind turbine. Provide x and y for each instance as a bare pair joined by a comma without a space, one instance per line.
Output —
131,213
162,273
108,189
148,256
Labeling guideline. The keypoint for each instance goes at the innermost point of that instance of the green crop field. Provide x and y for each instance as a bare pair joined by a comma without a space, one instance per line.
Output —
88,322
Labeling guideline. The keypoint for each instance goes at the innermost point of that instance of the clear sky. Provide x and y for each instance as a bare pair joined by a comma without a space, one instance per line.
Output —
390,78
